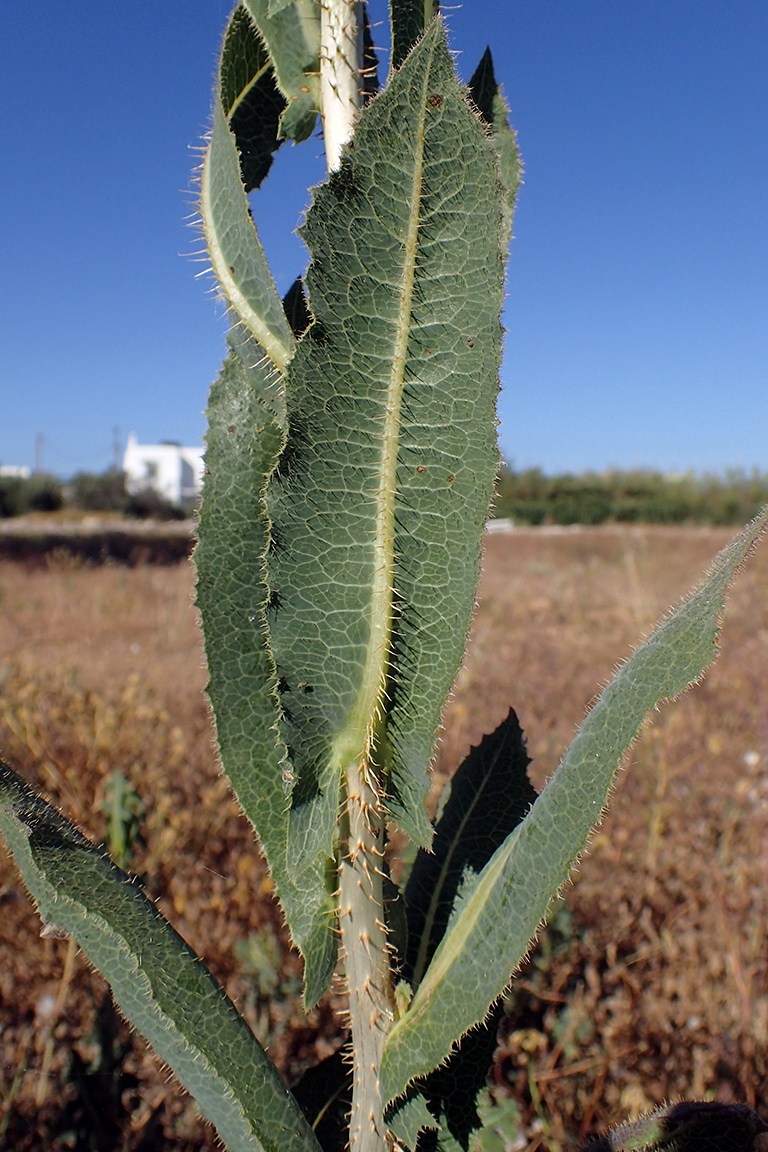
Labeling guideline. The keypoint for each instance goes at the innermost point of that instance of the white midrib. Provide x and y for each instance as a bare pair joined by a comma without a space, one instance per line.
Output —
352,743
361,916
255,79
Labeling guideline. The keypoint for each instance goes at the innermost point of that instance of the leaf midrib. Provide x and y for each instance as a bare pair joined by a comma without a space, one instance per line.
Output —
353,742
247,89
454,942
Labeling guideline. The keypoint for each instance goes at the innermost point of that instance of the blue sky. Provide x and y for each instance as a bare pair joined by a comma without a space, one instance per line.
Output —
637,318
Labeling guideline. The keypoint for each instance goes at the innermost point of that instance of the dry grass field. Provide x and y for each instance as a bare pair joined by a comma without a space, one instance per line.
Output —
652,982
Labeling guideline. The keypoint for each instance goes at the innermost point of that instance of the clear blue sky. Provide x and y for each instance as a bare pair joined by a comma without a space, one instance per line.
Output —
638,283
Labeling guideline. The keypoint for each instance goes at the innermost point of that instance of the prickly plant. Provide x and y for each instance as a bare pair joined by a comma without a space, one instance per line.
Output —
350,466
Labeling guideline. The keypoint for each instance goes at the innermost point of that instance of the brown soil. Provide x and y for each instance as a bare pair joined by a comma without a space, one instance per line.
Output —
652,982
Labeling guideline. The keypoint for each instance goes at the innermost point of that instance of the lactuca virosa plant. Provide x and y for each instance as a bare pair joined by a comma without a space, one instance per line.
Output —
350,467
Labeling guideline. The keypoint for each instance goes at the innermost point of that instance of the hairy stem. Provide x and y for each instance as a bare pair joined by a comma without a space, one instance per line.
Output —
341,65
366,958
361,900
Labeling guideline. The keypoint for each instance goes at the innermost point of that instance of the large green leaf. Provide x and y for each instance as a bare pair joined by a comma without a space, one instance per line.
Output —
159,983
489,795
498,913
379,500
291,33
246,417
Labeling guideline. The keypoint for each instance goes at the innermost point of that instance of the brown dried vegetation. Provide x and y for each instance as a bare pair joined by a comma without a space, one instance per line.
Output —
652,982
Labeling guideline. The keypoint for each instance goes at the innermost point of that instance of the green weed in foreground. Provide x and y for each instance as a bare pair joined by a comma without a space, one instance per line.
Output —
350,463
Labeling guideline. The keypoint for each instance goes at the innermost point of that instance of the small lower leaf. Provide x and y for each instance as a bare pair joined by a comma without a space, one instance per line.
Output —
163,988
489,795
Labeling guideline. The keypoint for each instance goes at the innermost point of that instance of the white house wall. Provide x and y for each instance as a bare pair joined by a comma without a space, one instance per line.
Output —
173,471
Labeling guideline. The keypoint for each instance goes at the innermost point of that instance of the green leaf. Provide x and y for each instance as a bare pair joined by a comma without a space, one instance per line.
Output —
409,1118
236,255
410,19
487,96
447,1100
489,795
250,98
379,500
246,416
291,33
496,917
501,1124
691,1126
164,990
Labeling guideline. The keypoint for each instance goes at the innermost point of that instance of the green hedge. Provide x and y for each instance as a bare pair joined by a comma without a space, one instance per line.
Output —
22,494
530,497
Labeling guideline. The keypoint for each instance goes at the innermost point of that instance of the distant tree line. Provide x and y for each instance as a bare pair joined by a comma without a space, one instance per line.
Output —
87,492
527,497
530,497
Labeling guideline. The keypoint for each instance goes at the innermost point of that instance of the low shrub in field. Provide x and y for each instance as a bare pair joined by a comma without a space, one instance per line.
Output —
106,492
37,493
98,492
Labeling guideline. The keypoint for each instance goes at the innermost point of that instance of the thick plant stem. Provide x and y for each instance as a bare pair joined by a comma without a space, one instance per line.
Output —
366,958
341,66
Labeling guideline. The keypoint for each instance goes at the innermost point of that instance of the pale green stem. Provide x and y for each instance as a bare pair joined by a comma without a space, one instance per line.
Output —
366,958
341,64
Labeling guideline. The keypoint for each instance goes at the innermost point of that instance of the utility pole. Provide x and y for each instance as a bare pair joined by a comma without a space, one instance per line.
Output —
117,451
39,442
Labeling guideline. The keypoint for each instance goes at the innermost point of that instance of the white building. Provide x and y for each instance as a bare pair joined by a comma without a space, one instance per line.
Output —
18,470
176,473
